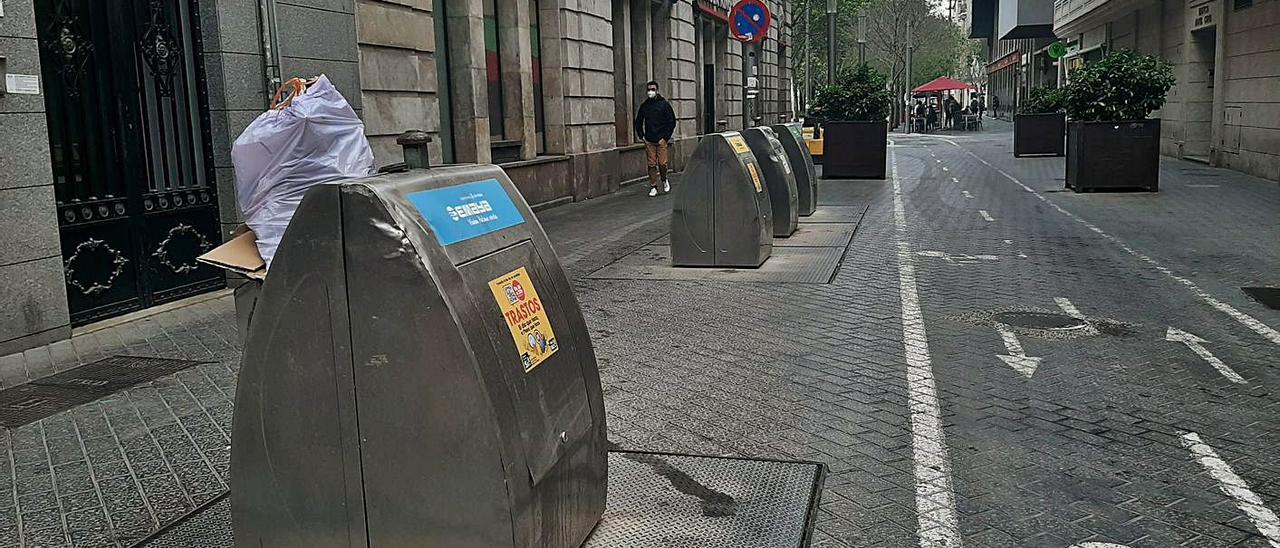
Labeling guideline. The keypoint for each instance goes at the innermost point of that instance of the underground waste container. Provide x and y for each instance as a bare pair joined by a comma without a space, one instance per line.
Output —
778,179
721,214
792,139
417,372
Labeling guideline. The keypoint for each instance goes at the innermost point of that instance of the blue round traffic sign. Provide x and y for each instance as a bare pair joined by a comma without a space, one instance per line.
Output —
749,20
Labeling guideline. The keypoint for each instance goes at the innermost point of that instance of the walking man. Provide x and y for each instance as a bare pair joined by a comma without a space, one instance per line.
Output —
655,122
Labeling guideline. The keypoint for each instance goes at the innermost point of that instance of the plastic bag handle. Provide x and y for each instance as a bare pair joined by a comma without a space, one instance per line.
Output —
295,86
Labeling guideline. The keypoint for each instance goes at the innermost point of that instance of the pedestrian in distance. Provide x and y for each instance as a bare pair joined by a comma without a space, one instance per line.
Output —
655,122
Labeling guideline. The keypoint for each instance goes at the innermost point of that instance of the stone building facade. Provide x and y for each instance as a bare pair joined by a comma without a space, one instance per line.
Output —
115,164
1225,107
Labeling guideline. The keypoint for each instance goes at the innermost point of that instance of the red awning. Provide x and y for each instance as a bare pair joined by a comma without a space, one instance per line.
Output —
942,83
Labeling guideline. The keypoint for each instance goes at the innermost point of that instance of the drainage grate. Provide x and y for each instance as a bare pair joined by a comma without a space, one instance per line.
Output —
30,402
1040,320
1269,296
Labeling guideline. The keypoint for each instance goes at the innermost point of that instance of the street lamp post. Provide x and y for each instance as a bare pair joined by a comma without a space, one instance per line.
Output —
907,79
831,42
862,36
808,66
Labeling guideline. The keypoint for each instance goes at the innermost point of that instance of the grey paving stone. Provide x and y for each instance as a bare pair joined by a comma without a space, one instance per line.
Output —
1084,450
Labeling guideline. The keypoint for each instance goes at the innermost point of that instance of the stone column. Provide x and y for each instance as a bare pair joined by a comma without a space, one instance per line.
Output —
517,74
33,296
553,75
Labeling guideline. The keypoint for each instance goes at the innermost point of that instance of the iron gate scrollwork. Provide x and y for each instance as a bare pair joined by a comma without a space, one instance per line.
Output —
130,146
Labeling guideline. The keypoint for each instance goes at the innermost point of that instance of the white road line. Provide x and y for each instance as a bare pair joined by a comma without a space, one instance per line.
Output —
944,168
1196,344
1235,487
935,501
985,216
1017,358
1252,323
1071,310
967,194
955,180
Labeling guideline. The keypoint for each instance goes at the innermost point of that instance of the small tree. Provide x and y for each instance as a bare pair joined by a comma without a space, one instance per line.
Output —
1044,100
860,94
1124,85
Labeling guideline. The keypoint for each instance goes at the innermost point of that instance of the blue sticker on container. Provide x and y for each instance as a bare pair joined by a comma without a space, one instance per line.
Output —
459,213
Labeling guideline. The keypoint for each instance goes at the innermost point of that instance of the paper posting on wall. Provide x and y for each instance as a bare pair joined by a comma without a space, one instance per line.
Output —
526,317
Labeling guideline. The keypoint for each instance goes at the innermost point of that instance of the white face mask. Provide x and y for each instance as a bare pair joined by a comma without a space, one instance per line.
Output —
651,93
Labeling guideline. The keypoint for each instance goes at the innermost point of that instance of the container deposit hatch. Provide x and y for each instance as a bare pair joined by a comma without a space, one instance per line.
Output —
721,214
801,164
778,179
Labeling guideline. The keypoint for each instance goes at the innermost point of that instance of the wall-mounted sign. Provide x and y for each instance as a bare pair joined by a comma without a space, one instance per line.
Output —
1202,15
22,84
1013,58
1057,50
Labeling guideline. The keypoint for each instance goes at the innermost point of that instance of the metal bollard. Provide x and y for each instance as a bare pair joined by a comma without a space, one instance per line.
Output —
416,155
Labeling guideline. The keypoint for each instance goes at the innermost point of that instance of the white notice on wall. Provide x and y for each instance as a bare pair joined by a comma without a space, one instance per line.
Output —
22,84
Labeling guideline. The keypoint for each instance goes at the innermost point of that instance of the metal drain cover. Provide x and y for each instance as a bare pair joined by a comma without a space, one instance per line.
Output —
44,397
1040,320
1269,296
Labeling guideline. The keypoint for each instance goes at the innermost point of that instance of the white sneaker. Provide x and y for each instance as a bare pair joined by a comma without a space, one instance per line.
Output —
666,186
653,191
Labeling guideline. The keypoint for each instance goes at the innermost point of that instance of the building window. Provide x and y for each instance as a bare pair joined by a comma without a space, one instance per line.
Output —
1242,4
493,66
535,49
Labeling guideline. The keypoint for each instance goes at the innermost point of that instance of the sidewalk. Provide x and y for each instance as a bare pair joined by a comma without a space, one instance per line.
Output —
1084,449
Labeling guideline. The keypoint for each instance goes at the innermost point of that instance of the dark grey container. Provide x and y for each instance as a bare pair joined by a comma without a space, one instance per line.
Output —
854,150
1039,134
1113,155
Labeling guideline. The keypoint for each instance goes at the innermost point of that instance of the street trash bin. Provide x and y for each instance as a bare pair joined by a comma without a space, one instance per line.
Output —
778,179
721,214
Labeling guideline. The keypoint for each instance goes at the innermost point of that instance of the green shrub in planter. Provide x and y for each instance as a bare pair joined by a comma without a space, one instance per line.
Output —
853,112
1043,100
1039,127
1110,141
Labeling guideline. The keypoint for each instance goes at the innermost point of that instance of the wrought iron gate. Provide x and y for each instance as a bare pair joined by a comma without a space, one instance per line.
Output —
132,160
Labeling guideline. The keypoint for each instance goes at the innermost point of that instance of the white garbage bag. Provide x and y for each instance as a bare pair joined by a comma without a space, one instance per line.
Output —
312,137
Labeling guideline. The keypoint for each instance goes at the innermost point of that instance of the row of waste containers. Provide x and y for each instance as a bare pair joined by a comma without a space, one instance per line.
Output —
739,192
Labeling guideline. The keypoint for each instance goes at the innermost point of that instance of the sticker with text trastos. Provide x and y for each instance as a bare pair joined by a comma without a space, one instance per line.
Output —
526,317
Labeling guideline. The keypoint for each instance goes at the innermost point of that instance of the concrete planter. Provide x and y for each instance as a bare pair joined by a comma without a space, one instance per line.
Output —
1113,155
854,150
1039,134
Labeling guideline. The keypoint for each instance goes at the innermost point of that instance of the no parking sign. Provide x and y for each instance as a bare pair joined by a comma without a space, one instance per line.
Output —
749,21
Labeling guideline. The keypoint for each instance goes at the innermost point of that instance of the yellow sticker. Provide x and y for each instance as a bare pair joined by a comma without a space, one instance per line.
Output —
755,177
739,144
526,317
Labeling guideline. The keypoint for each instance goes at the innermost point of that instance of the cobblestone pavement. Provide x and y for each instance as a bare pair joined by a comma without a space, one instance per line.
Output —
1103,442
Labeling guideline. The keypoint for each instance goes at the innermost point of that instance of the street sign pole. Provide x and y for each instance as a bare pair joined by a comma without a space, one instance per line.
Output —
831,42
862,36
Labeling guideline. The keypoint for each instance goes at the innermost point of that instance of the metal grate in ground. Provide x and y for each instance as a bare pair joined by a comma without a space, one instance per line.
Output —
835,214
654,499
30,402
814,265
806,235
1268,296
